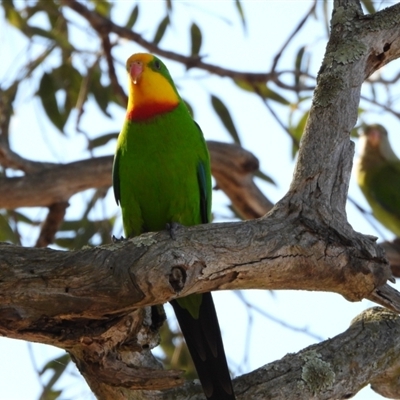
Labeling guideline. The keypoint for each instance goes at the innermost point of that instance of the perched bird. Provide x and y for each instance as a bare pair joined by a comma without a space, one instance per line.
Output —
378,175
161,176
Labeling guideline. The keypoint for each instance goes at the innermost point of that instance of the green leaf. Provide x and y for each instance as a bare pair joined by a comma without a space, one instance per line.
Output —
75,234
13,16
298,64
7,98
103,7
225,116
297,131
354,132
65,242
196,39
102,94
6,232
57,366
68,78
47,94
299,57
132,17
263,90
71,225
50,395
102,140
34,30
264,177
162,27
369,6
52,11
19,217
241,13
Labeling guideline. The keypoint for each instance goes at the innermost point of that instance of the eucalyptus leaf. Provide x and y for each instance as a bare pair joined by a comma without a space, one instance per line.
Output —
47,95
133,16
196,39
162,27
225,117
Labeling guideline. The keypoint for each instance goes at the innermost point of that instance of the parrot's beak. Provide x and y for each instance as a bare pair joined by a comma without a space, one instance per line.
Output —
136,70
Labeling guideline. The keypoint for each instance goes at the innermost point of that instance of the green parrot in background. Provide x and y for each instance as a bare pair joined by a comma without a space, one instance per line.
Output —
378,175
162,176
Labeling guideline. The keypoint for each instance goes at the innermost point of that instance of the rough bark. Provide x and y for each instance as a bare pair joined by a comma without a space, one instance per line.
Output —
90,301
335,368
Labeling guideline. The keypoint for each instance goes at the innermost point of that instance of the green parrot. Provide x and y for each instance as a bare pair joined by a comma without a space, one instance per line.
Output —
162,176
378,175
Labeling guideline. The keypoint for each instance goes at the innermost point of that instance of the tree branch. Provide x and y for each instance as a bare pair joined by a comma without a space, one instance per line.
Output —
51,224
233,169
85,284
57,184
232,166
102,24
322,371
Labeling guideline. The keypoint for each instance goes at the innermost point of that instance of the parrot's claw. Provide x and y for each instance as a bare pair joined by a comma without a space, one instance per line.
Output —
172,228
116,240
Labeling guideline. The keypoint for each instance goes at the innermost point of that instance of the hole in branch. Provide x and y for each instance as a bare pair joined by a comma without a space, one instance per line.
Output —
177,278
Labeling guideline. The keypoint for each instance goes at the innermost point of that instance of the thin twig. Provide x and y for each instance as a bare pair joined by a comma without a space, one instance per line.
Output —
52,223
294,33
123,98
275,319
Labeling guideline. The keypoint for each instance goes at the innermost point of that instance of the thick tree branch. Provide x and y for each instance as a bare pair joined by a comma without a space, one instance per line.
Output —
85,284
57,184
232,166
233,169
322,371
392,249
10,159
92,319
86,301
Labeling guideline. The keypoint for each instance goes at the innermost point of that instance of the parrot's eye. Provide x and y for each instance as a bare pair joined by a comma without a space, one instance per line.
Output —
157,64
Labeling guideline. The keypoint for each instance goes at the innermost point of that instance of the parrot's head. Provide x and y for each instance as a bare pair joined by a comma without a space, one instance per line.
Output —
375,140
375,134
151,89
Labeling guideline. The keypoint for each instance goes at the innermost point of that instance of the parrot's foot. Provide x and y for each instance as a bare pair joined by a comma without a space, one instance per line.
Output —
172,228
116,240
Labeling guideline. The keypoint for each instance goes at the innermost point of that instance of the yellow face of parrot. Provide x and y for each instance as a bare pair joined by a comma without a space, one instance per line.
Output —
151,90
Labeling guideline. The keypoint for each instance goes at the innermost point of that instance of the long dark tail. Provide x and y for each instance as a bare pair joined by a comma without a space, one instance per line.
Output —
203,338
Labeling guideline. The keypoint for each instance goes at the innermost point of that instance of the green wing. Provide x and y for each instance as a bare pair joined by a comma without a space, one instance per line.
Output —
204,180
381,187
196,313
204,195
385,188
115,177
